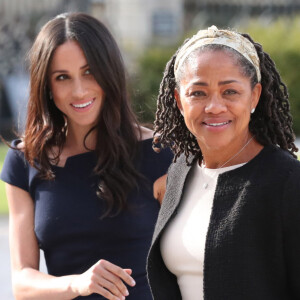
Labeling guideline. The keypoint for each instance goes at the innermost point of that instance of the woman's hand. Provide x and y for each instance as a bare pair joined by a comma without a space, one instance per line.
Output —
159,188
104,278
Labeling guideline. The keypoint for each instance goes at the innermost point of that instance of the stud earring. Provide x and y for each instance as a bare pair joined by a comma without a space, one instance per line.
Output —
181,111
252,110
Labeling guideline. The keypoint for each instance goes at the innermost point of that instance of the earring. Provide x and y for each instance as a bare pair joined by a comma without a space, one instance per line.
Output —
50,95
181,111
252,110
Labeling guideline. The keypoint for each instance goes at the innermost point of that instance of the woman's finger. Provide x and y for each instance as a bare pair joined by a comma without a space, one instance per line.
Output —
119,272
97,288
111,281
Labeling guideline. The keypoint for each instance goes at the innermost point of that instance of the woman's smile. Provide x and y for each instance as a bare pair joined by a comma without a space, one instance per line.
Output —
216,125
75,90
216,100
83,106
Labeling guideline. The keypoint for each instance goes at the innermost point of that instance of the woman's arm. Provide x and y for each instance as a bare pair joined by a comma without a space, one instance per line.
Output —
146,133
159,188
28,282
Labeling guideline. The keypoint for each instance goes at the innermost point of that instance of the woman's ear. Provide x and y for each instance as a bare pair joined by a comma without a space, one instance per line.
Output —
177,98
256,92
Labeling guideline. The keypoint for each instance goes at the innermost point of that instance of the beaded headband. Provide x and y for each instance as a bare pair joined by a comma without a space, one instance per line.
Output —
221,37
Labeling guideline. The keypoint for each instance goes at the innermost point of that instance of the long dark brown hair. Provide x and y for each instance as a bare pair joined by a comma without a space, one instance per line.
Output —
117,129
271,124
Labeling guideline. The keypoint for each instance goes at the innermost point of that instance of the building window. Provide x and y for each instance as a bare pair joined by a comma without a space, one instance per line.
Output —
164,24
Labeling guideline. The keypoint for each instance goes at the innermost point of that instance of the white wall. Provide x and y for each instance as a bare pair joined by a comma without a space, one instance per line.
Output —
137,24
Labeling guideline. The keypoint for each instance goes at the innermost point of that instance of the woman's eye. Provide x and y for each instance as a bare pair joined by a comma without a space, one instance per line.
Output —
198,94
61,77
87,72
230,92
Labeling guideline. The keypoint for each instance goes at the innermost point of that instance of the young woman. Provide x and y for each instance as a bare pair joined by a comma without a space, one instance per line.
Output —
229,224
79,182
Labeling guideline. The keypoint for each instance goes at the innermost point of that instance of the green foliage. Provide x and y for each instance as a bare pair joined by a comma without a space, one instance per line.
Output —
145,83
281,40
3,202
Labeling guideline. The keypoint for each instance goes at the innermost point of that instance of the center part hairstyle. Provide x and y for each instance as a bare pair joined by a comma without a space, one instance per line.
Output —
271,123
117,129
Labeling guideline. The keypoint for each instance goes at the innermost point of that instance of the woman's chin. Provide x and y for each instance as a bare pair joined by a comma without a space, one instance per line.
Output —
213,144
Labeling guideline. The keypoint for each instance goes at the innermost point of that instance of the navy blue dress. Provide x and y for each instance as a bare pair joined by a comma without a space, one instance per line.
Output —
68,223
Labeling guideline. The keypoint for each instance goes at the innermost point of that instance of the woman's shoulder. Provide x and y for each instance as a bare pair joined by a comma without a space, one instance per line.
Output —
152,156
146,133
277,162
151,163
16,144
15,167
282,157
15,152
16,147
183,162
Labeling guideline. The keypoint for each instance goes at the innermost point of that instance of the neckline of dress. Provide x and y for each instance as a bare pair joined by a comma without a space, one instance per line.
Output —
83,154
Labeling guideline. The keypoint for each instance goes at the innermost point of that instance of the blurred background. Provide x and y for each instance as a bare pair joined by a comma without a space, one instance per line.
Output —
148,33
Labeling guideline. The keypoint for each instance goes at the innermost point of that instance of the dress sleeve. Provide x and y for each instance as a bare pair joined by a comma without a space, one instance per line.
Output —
15,169
291,231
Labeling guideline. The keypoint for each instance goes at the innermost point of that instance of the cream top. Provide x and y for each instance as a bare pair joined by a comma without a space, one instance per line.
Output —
183,242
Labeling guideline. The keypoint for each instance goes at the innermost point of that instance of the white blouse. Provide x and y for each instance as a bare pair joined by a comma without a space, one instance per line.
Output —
183,242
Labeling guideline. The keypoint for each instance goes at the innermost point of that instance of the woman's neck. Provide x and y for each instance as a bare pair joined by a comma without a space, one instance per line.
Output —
242,153
76,141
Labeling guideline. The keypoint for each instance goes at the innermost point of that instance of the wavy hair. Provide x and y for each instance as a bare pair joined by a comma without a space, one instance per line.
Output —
46,127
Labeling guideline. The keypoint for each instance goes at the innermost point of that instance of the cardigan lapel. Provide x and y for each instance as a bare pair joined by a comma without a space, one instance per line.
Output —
175,184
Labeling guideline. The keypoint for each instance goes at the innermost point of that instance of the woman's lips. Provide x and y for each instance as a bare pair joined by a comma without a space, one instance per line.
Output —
216,124
83,106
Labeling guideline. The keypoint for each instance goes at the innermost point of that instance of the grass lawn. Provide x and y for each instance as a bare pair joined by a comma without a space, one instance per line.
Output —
3,202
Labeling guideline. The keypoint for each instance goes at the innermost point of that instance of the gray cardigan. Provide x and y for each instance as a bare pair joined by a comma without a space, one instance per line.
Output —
253,242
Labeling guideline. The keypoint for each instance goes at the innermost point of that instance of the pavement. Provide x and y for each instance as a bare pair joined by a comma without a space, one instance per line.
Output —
5,274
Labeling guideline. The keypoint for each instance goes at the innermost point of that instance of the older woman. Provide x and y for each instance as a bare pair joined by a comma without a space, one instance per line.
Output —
229,226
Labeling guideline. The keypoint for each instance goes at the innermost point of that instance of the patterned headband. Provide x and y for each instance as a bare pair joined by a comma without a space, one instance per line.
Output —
221,37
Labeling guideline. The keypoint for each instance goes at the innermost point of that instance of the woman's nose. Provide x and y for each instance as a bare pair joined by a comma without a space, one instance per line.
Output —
79,89
216,105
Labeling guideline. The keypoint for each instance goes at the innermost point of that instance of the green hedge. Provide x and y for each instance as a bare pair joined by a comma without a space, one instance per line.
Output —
280,39
145,83
3,202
